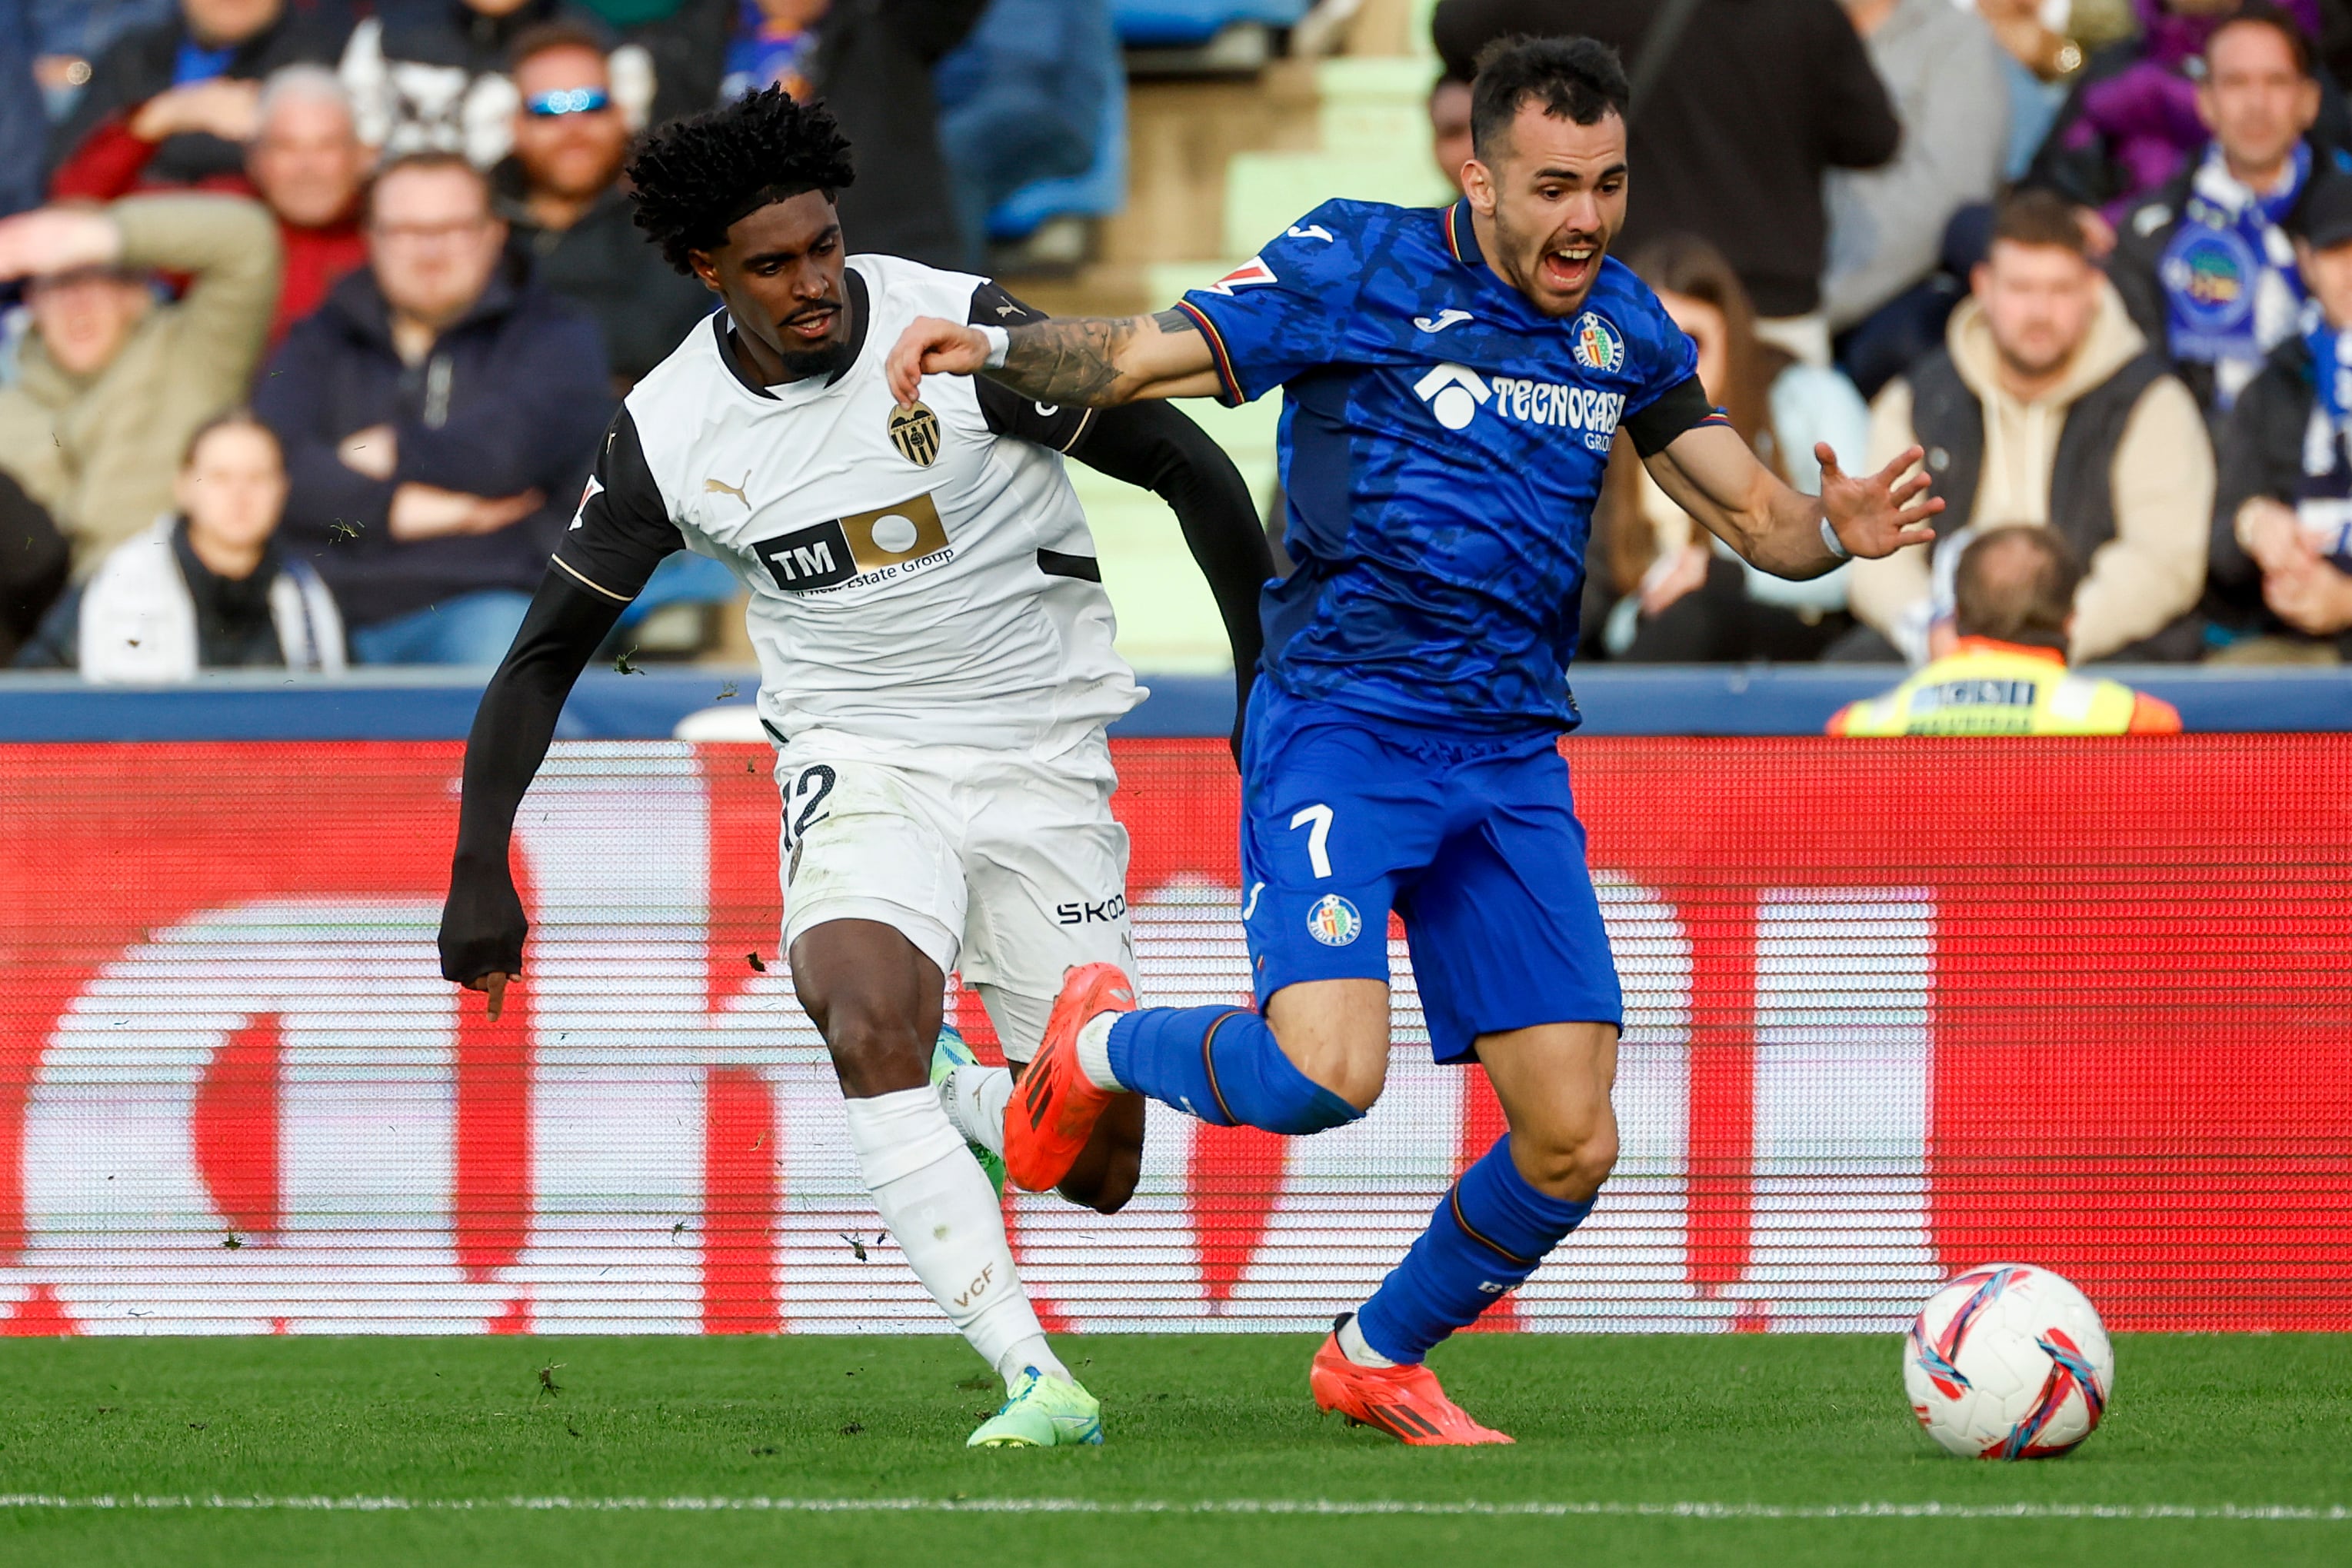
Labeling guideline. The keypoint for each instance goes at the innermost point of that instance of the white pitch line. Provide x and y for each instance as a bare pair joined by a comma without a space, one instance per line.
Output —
1326,1507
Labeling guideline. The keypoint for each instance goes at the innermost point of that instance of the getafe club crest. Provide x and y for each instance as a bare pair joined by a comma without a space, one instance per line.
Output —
1595,343
915,432
1334,921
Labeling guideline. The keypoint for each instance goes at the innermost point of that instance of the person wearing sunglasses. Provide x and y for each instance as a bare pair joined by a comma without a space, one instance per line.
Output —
559,192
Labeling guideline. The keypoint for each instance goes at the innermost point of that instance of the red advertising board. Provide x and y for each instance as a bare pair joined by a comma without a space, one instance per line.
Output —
1894,1008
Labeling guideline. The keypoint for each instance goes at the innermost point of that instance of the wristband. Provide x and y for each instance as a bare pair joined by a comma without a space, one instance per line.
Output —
1835,545
999,343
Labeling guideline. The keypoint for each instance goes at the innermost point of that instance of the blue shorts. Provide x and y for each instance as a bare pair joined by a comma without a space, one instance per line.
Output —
1471,838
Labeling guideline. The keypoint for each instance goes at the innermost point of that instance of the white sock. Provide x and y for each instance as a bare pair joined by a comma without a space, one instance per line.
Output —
1356,1348
1094,1052
974,1099
945,1216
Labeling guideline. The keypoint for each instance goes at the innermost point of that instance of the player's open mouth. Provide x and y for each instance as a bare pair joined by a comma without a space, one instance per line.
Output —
1569,265
813,325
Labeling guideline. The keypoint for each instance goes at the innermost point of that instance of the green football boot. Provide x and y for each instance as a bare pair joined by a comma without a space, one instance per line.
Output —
1043,1413
949,1053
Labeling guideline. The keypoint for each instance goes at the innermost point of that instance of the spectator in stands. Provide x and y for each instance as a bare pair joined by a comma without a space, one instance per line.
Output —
1687,598
685,43
2279,585
437,413
1732,128
773,45
2046,405
33,560
206,587
2205,264
1882,292
305,161
2004,670
1449,128
432,76
2132,120
872,63
22,128
67,34
2044,47
560,194
192,83
1020,100
110,382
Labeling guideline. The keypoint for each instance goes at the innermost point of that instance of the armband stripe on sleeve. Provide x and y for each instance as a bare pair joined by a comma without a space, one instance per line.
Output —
1232,386
1086,422
574,572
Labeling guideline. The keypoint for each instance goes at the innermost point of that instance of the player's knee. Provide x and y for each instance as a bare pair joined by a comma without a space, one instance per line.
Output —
1570,1163
877,1045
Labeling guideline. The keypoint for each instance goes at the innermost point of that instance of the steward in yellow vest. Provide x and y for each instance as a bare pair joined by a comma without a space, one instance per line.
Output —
2013,609
1984,687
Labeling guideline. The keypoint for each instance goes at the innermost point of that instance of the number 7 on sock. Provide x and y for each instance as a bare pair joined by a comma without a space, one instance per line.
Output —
1317,819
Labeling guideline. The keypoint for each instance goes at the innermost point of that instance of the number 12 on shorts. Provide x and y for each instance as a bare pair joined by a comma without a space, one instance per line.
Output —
1317,821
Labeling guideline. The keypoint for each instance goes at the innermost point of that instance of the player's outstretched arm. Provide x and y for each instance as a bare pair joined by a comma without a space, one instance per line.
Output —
482,924
1712,474
1163,451
1084,362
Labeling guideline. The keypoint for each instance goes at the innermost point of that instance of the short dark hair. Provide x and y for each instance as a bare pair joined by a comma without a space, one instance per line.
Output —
433,159
563,33
238,418
1577,79
2264,14
692,179
2039,217
2016,584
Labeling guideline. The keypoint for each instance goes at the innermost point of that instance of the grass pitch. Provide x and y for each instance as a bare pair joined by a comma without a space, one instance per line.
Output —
1736,1450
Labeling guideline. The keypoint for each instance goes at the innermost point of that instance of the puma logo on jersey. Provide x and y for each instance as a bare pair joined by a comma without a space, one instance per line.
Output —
1310,231
1442,321
721,487
588,492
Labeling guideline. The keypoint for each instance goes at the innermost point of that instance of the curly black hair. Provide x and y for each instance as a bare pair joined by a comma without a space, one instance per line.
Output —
692,178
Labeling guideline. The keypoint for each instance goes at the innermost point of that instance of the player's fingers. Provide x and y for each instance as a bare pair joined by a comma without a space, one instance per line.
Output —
1826,455
495,984
1903,459
1907,488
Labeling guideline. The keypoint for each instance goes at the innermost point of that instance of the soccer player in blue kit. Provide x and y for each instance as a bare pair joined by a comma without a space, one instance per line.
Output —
1453,380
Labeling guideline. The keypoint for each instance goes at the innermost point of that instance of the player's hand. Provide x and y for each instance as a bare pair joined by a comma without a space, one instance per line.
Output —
495,984
483,926
1879,514
930,347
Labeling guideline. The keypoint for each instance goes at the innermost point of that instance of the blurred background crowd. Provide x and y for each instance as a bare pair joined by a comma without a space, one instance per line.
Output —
312,310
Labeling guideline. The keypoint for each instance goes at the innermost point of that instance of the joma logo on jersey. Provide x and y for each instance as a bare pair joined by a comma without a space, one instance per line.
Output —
877,545
1455,393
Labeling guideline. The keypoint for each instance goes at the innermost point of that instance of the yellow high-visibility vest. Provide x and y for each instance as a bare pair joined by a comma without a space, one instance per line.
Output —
1986,687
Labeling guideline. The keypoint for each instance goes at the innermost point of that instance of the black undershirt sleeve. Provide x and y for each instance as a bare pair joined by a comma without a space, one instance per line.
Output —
1682,407
621,533
1160,449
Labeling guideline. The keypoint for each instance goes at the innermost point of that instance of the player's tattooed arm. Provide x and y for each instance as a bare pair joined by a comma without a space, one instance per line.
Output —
1086,361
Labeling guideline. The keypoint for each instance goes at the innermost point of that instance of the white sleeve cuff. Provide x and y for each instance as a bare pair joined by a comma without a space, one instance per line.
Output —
1835,545
999,341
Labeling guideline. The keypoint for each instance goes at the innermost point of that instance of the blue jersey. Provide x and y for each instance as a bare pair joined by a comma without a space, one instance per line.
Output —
1443,444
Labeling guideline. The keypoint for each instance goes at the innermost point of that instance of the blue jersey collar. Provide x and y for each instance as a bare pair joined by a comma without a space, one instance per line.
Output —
1460,238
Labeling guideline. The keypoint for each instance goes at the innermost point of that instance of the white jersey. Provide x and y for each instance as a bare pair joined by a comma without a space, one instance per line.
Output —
923,577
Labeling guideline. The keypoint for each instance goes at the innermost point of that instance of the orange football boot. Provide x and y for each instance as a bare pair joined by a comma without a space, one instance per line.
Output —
1054,1107
1403,1401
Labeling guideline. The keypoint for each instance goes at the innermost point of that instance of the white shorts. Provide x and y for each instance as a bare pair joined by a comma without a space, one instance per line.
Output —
994,863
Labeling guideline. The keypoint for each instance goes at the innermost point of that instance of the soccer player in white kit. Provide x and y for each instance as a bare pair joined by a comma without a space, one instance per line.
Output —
936,668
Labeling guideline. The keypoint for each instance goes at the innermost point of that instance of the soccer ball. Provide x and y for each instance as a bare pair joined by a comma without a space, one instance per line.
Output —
2008,1362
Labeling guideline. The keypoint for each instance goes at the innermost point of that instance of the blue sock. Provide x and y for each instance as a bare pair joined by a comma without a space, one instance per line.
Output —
1223,1065
1488,1234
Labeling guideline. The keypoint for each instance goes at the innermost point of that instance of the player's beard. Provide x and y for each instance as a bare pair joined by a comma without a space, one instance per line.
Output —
825,359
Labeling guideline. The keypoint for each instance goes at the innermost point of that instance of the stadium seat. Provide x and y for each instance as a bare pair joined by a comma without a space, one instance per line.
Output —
1097,193
1189,23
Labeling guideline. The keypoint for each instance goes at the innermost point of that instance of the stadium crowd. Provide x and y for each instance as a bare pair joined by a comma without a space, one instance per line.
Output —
314,307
